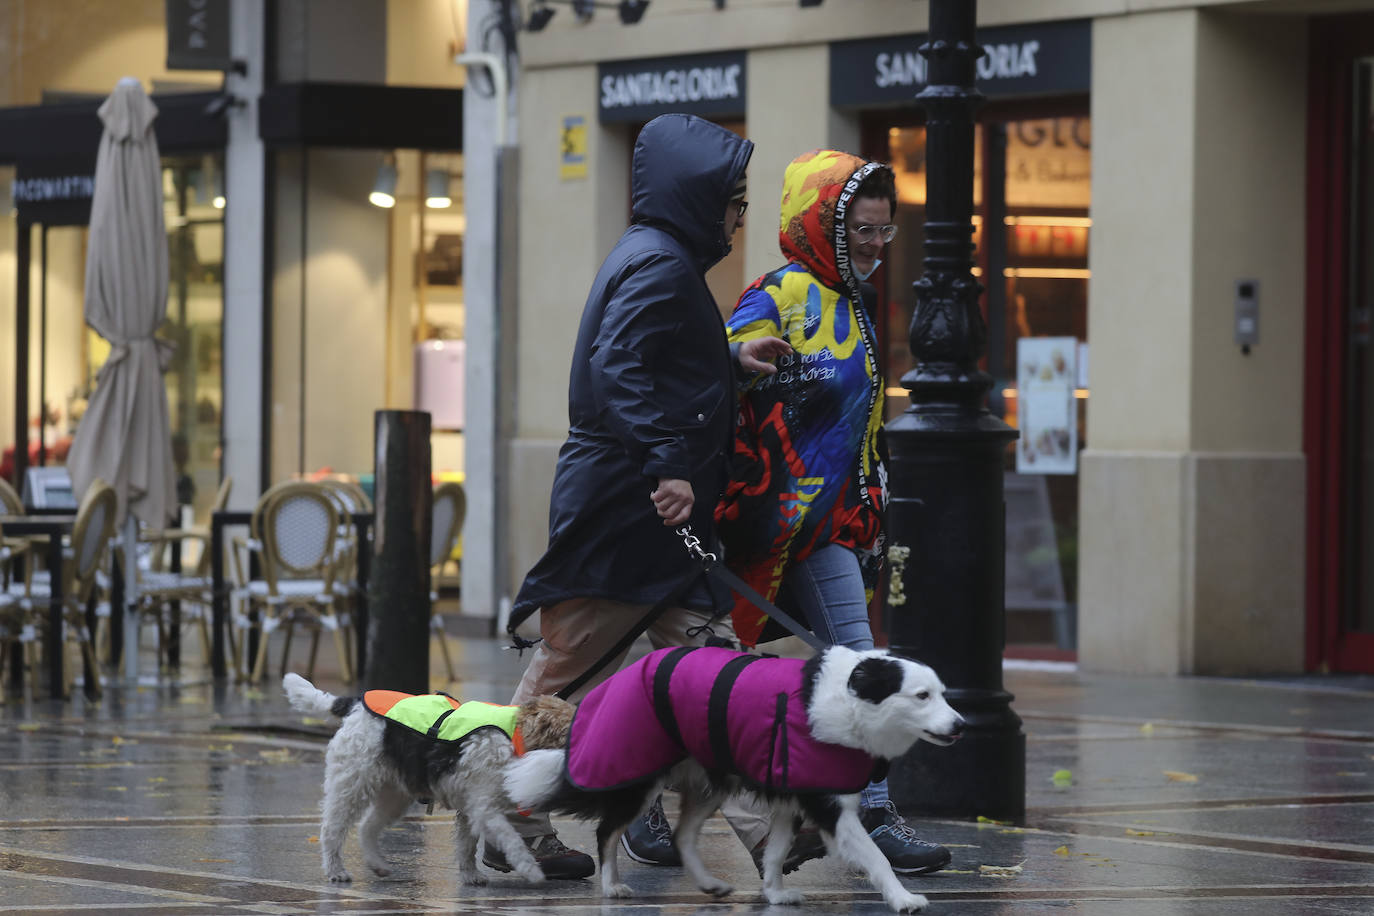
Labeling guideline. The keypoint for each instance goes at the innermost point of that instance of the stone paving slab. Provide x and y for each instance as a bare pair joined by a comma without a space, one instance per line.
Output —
1184,796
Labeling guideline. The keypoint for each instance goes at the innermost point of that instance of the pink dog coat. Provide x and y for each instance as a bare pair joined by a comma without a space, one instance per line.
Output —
732,712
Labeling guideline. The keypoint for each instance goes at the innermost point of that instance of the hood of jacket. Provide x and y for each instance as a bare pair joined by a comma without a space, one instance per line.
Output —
817,189
684,171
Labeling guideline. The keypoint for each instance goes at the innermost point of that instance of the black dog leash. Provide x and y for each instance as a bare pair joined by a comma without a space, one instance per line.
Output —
711,565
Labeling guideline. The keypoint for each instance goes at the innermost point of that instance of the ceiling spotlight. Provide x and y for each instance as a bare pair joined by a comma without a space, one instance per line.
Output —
384,189
218,200
583,9
811,2
631,11
436,189
539,17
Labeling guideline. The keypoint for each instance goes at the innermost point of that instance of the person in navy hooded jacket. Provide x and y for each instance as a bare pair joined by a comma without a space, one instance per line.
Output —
651,416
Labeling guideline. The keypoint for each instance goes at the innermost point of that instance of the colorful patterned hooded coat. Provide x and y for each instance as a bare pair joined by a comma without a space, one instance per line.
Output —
808,468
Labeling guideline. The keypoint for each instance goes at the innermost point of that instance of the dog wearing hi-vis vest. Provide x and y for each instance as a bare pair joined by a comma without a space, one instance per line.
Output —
393,748
804,737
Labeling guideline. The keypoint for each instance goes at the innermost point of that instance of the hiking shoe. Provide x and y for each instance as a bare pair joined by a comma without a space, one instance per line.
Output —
806,845
649,839
555,860
907,853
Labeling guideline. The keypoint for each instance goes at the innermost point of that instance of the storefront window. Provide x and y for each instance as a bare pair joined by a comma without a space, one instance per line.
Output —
65,354
1035,276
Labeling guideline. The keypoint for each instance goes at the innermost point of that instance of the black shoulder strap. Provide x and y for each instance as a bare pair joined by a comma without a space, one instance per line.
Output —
717,707
663,706
438,723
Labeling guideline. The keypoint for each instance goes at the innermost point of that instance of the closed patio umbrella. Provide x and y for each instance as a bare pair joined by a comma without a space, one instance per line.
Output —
124,437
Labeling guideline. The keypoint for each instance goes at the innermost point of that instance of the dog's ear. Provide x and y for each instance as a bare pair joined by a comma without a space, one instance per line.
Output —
876,679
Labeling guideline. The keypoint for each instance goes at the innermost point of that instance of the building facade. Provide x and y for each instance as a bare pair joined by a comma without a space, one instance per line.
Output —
1171,206
302,300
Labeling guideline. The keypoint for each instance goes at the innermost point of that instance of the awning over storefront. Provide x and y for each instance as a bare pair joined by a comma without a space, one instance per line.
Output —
361,116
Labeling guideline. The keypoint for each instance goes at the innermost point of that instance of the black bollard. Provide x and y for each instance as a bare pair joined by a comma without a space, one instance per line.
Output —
946,517
398,585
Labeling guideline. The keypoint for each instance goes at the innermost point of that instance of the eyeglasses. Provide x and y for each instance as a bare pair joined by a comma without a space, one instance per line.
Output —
868,233
742,205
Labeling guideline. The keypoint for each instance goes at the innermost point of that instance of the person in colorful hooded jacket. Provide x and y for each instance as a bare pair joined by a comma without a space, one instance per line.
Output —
802,518
651,409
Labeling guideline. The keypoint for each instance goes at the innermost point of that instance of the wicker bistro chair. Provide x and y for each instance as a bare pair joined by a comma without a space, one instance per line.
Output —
296,527
159,586
450,508
16,626
92,530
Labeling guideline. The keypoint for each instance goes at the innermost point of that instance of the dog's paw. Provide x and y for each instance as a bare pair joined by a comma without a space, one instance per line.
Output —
534,874
378,869
475,878
716,887
783,897
617,890
907,903
340,876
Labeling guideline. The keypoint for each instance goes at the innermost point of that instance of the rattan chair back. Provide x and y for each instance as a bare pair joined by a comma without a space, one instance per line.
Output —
450,508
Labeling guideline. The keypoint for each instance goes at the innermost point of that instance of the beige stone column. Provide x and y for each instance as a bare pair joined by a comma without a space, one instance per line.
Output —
1191,490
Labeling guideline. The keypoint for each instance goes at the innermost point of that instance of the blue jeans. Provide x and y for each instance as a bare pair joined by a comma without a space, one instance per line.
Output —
829,589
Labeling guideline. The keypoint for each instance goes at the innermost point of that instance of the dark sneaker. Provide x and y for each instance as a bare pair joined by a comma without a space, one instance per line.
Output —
907,853
807,845
555,859
649,839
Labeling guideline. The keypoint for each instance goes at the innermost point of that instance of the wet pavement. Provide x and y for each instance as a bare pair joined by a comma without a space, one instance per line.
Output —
1183,796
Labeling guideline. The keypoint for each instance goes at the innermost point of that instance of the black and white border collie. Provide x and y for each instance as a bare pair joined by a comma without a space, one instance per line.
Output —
871,702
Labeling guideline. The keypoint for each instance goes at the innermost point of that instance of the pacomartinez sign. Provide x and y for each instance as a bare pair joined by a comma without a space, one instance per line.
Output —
56,191
1046,58
710,85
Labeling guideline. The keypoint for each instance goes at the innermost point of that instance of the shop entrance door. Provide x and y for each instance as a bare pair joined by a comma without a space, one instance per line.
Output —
1339,432
48,369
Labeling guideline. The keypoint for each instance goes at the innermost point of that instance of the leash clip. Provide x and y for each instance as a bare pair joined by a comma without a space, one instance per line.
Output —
693,545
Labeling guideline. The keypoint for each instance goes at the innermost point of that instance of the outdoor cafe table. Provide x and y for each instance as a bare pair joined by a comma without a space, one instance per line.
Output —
362,522
53,527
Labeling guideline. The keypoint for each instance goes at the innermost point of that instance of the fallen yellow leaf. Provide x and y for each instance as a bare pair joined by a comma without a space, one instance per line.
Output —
311,720
157,778
28,726
999,871
313,839
1062,851
1147,729
1130,832
987,821
1176,776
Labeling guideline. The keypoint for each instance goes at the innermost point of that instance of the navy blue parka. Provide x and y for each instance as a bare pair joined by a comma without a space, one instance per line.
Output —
652,389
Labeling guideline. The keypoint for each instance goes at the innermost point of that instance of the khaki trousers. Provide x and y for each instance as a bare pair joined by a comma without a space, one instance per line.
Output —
579,631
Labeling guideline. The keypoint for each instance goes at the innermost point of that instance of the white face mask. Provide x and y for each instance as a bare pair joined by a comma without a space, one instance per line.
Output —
868,273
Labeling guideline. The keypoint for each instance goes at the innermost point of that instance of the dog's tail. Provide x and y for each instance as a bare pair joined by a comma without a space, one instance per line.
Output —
306,697
535,778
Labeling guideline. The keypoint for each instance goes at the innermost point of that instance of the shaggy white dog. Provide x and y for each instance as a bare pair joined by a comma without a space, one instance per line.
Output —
870,702
377,766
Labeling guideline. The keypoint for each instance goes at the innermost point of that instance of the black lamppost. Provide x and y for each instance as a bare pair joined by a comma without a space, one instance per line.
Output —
947,516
